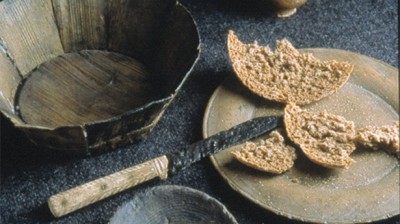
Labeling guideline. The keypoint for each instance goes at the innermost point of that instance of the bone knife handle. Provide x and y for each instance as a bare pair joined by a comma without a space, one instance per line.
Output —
96,190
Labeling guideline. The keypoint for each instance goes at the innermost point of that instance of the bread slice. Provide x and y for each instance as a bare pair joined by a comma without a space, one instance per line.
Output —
326,139
285,75
385,137
270,155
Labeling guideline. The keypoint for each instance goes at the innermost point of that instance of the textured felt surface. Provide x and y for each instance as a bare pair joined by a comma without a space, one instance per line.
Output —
29,175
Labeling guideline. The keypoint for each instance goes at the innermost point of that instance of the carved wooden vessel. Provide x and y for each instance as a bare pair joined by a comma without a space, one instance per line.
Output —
85,75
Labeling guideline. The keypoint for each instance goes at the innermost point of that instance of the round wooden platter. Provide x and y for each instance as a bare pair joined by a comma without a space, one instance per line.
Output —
367,191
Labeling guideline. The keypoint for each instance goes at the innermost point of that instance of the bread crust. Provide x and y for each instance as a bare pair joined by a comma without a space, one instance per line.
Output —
285,75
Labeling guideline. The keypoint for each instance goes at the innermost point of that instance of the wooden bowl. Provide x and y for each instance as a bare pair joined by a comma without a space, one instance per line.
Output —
92,74
172,204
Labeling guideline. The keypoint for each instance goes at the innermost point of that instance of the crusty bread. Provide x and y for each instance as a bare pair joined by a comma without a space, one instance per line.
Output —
270,155
326,139
385,137
285,75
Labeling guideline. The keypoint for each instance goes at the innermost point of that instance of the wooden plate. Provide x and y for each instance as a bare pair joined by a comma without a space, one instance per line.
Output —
367,191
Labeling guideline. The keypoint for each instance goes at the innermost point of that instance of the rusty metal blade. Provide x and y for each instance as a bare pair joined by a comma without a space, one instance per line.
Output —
184,157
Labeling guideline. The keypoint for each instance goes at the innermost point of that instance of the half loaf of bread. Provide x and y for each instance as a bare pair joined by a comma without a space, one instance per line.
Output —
285,75
270,155
326,139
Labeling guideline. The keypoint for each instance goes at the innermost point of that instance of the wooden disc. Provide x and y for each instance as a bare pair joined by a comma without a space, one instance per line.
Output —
78,88
367,191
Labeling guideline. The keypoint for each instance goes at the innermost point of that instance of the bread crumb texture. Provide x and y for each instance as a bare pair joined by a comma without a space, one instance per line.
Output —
270,155
285,75
326,139
379,138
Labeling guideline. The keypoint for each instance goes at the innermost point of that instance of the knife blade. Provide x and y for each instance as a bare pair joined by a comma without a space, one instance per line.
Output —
167,165
184,157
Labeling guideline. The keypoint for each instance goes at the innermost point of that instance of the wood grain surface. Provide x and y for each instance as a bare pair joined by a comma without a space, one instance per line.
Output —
29,32
96,190
78,88
9,83
82,24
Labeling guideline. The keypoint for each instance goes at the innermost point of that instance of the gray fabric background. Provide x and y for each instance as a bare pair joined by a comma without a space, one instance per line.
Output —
29,175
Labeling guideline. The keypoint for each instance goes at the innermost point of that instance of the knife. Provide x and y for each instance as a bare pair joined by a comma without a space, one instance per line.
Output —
167,165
